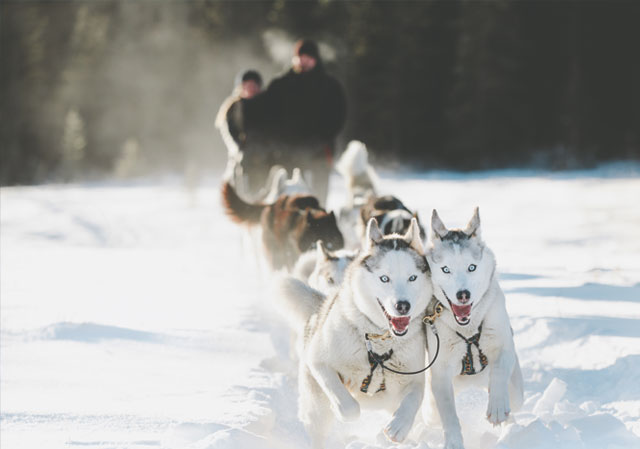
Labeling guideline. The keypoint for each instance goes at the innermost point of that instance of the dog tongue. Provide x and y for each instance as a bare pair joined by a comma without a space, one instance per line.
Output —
461,311
400,323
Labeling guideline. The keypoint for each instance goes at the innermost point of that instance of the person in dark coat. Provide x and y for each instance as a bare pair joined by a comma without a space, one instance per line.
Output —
297,118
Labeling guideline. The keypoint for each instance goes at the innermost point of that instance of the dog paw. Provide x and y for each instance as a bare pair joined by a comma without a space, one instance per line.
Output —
397,429
498,409
347,410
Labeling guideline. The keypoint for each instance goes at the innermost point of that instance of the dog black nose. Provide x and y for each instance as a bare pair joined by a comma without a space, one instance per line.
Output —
403,307
463,296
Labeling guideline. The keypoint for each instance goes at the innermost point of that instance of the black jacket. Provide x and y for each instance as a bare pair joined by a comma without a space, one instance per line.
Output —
296,110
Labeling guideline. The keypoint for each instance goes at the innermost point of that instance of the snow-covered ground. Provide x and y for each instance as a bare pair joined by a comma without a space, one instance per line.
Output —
131,316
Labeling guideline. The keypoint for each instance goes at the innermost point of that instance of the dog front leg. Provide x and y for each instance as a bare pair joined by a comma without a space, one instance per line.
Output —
343,404
402,420
442,390
498,408
314,408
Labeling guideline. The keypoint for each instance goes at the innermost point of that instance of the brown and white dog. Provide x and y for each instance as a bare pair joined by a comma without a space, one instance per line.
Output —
290,226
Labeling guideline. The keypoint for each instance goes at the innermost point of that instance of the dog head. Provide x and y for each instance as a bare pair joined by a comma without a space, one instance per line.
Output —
330,267
317,224
390,280
462,266
392,215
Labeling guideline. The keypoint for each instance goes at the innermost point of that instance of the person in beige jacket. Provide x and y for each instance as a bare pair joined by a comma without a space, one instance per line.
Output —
248,84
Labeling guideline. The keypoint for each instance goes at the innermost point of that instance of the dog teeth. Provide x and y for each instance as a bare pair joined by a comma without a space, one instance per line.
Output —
391,318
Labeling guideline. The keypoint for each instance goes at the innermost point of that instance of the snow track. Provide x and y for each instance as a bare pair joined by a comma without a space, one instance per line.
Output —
132,317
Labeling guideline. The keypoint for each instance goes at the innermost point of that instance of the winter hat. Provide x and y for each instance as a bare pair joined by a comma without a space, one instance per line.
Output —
307,47
249,75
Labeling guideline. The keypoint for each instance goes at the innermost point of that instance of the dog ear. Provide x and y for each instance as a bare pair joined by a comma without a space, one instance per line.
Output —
374,235
438,229
296,175
308,215
423,236
281,180
413,238
473,227
321,252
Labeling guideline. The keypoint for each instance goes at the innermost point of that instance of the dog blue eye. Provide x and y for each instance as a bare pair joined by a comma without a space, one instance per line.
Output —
412,278
472,267
384,278
445,269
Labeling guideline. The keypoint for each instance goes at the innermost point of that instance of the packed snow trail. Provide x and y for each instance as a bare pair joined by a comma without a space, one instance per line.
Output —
133,317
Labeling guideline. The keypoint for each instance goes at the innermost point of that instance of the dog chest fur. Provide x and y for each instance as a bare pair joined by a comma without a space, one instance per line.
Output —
341,345
491,314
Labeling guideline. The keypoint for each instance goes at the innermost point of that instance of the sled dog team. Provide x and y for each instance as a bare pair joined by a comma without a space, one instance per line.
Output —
369,319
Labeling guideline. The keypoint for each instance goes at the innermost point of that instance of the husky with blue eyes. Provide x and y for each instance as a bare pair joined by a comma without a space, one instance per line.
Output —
354,342
471,319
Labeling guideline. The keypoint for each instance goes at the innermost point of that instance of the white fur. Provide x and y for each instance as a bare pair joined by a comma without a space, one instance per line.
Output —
348,219
354,160
502,375
305,265
329,268
280,185
334,359
361,182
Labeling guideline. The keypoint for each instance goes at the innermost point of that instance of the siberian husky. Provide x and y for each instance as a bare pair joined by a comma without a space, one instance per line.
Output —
474,329
359,176
290,226
277,185
323,269
390,212
360,181
374,319
363,202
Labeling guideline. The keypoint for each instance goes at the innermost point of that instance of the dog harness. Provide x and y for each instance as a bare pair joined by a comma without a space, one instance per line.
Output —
434,310
467,360
375,360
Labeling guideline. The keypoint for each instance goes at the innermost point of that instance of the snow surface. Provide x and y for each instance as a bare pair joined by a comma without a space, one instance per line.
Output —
132,316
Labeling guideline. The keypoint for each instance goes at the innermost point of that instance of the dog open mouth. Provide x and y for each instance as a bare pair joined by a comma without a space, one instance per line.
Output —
399,324
460,313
